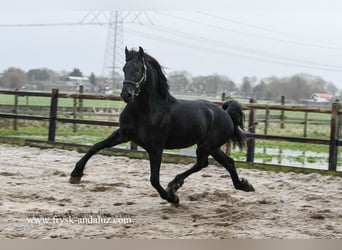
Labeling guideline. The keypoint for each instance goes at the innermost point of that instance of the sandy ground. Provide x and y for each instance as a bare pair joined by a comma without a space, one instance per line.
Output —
116,200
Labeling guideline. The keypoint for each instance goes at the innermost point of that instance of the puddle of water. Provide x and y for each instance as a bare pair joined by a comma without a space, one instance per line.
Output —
295,158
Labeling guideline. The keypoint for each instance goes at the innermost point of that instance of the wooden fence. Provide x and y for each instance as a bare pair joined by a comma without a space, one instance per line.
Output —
334,123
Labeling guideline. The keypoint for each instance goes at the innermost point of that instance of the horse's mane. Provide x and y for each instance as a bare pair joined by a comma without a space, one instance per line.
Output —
163,86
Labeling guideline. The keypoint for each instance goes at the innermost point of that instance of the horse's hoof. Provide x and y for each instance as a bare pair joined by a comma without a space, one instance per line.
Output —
246,186
75,180
251,188
175,202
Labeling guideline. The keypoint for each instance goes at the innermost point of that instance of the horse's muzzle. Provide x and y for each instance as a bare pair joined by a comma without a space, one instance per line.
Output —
127,95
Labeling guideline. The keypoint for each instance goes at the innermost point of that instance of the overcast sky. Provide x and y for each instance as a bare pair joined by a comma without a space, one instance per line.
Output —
237,42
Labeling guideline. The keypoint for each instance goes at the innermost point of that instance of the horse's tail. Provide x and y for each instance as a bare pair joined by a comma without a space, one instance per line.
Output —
234,109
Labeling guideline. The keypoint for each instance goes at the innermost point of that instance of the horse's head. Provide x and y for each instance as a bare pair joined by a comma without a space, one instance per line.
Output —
135,73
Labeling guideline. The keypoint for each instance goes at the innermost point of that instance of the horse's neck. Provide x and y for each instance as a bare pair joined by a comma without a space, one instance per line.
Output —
150,99
146,102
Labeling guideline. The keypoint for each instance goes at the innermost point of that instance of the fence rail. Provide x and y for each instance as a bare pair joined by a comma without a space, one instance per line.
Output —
253,119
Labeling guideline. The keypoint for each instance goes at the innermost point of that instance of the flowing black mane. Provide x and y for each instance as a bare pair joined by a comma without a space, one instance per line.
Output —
163,86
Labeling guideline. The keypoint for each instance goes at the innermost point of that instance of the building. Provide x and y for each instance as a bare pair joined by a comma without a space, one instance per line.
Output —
75,81
322,97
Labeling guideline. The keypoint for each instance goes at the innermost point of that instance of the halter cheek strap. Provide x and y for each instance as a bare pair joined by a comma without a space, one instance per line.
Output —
137,85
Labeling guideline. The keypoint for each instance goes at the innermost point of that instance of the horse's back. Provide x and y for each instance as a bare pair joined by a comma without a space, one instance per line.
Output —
193,122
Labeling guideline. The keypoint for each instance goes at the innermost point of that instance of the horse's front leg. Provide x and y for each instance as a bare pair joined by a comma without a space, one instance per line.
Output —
155,161
114,139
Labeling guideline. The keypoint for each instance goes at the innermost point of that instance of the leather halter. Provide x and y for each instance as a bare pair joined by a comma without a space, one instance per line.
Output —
138,84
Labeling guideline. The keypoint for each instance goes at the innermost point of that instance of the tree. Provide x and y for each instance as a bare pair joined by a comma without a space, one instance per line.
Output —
296,87
274,88
331,88
14,78
38,75
226,85
179,81
76,72
198,84
92,79
214,83
260,90
246,87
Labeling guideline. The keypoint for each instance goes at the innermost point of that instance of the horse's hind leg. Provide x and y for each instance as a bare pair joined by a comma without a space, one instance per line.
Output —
114,139
202,162
228,163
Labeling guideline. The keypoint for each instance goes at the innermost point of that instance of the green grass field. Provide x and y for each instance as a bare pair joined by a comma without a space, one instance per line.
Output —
63,102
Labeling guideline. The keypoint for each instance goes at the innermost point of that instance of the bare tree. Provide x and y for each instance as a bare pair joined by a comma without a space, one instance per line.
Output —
260,90
14,78
247,85
331,88
179,81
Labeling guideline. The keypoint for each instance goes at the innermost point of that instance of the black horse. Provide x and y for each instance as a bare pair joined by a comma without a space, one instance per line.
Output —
155,120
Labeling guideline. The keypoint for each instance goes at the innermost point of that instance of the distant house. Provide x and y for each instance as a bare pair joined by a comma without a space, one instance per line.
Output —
322,97
76,81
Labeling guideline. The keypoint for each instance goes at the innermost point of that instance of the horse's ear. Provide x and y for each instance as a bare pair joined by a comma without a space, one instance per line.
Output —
141,52
126,52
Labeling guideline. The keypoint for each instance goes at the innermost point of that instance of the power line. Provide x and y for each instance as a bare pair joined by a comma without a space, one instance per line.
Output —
266,29
50,24
225,45
253,35
221,52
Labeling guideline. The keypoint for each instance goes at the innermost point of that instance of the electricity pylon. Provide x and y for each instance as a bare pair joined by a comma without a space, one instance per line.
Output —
114,51
113,57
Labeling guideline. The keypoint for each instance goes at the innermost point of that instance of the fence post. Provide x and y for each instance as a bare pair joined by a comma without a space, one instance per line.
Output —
334,132
267,117
305,124
74,114
15,110
282,113
223,96
53,115
339,124
80,102
251,129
